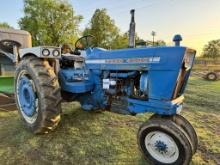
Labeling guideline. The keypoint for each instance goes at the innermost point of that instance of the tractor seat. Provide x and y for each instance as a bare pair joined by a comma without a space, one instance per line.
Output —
71,57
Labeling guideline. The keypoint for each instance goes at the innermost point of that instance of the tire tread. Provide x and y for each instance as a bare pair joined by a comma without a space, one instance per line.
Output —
47,83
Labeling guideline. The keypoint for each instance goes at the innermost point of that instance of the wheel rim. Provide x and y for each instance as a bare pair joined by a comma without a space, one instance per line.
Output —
26,97
161,147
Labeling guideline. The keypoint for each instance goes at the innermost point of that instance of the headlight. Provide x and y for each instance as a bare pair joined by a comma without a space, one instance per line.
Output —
189,61
189,58
56,53
45,52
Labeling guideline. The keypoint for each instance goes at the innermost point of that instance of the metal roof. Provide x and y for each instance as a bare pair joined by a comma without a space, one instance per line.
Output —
20,36
14,31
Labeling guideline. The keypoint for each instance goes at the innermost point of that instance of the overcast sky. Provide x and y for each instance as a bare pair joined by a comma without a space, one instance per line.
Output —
197,20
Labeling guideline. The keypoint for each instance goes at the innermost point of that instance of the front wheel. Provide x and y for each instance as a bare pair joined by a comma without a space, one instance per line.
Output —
184,124
37,94
162,142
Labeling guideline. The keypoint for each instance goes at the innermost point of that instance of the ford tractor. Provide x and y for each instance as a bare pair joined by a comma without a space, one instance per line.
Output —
147,79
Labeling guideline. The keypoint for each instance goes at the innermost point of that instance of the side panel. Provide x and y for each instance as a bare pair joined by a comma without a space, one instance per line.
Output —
162,65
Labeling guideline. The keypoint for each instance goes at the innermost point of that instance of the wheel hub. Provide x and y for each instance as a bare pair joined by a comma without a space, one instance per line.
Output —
26,96
211,76
161,146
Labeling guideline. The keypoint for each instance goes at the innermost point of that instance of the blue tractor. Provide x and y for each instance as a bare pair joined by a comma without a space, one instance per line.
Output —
150,79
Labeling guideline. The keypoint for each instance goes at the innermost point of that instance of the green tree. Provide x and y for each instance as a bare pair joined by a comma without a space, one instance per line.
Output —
51,22
104,29
120,42
106,32
5,25
139,41
212,49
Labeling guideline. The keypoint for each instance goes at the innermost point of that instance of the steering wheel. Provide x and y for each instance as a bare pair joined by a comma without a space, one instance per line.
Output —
84,42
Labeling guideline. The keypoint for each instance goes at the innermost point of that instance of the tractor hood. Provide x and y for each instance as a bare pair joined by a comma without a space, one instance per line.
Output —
155,58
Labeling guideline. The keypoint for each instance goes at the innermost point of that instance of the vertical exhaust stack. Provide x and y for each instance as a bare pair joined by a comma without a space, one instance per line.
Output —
131,43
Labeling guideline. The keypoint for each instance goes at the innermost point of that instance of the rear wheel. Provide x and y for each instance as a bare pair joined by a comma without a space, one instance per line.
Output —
162,142
184,124
37,94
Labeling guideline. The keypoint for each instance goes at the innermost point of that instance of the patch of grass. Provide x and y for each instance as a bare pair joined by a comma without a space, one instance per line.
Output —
108,138
203,111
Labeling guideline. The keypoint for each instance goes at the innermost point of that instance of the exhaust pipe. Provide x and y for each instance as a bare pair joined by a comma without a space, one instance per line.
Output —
131,43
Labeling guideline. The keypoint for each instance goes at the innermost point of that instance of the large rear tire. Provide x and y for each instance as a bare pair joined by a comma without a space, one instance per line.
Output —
163,142
37,94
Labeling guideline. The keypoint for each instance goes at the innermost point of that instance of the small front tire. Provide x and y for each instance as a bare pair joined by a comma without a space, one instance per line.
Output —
184,124
162,142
